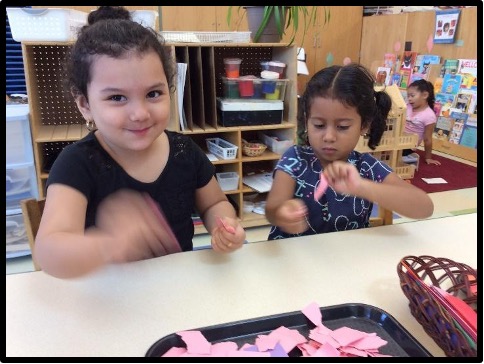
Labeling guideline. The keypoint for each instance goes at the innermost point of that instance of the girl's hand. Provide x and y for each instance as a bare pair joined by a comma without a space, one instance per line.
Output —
432,161
228,235
343,177
130,228
291,216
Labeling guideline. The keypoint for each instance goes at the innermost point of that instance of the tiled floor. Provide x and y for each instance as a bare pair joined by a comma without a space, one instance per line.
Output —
445,204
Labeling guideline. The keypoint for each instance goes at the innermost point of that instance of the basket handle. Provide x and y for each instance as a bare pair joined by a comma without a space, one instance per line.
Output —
34,11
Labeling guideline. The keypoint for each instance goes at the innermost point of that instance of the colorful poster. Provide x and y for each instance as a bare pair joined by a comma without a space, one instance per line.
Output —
446,25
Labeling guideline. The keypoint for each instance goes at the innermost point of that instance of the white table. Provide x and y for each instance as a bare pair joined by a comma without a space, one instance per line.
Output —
122,310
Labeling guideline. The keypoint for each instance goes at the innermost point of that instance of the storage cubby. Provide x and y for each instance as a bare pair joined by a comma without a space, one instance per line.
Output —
56,121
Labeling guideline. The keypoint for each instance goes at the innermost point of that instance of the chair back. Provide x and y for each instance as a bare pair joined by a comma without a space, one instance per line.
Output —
32,210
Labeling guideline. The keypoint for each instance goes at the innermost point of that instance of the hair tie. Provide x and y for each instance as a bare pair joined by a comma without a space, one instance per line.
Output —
379,87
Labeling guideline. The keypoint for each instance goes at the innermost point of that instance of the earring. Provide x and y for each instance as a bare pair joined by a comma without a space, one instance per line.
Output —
90,125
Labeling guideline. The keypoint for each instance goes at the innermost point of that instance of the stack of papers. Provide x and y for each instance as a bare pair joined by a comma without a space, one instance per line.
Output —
182,72
261,182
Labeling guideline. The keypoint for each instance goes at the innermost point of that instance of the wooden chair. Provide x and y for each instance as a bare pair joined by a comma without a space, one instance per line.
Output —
32,212
385,217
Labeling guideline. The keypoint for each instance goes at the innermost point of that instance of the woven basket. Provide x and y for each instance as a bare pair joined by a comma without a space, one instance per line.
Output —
253,149
455,278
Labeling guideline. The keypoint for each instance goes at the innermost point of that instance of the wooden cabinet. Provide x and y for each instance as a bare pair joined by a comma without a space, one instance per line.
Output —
56,121
200,18
335,39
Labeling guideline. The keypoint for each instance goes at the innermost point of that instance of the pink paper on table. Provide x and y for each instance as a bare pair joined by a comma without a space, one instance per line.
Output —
174,352
321,187
196,342
323,338
223,348
369,342
346,336
265,342
313,313
326,350
287,338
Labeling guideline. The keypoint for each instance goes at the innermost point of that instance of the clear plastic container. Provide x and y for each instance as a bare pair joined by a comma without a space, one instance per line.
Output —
232,67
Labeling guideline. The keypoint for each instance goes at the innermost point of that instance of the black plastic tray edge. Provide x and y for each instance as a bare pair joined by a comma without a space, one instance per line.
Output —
152,351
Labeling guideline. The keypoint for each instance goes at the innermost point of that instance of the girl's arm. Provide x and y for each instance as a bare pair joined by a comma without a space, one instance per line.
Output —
427,139
212,205
282,209
61,248
126,230
392,194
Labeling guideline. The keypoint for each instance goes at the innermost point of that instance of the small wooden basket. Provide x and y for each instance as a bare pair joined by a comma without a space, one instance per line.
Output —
455,278
253,149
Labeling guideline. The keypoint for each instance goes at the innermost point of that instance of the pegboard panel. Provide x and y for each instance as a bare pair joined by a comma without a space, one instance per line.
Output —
50,151
56,106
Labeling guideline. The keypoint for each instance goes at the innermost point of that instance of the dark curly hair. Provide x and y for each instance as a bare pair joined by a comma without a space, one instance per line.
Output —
352,85
111,32
425,86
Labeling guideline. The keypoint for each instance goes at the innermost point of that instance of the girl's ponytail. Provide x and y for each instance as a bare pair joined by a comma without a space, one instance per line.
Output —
383,104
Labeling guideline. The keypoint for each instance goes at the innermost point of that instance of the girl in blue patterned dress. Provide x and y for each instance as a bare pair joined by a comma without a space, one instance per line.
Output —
338,106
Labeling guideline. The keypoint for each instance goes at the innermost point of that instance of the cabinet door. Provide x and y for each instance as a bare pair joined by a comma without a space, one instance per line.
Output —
238,20
340,37
184,18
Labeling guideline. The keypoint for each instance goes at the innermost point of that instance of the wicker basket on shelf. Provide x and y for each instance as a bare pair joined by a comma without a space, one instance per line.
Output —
253,149
457,279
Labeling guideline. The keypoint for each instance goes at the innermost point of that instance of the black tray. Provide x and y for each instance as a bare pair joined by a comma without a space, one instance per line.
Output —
356,316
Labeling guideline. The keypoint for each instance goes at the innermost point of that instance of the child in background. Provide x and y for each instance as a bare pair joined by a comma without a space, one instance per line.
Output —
421,117
338,106
103,191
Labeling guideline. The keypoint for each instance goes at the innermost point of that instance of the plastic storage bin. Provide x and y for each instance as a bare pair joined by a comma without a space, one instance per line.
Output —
18,140
263,89
48,24
17,241
20,183
275,142
228,180
222,148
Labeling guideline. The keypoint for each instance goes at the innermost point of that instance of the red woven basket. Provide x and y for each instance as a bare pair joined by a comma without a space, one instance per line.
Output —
455,278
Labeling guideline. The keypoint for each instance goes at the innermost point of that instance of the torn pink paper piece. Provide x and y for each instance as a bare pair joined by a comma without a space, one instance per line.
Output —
312,312
221,224
265,342
326,350
196,342
288,338
369,342
345,335
223,348
174,352
321,187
